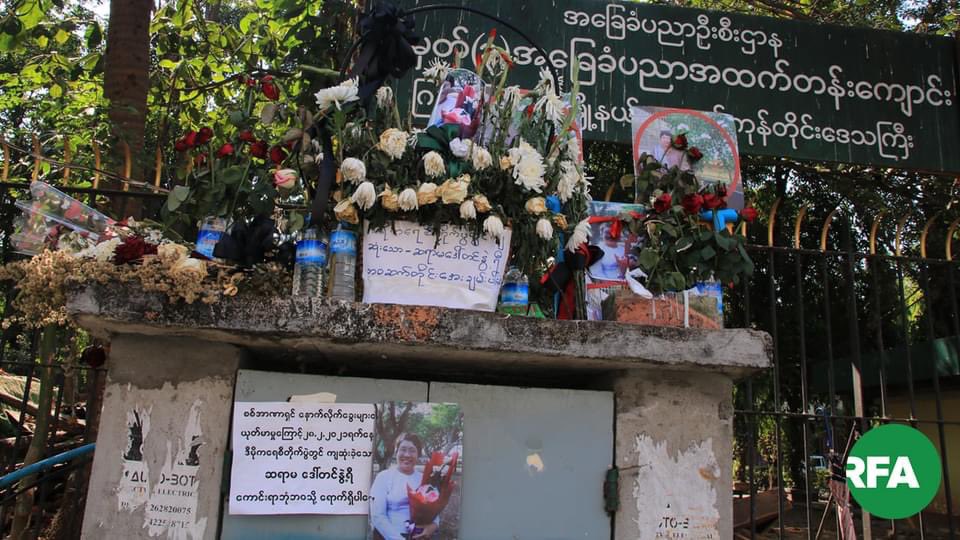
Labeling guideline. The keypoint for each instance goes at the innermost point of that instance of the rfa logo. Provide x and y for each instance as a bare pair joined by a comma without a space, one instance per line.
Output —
893,471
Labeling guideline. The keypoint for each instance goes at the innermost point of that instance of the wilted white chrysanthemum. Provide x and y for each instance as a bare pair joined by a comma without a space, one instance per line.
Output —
365,195
437,71
544,229
581,233
393,142
353,170
468,210
511,97
552,107
481,158
408,200
494,227
384,97
569,178
433,165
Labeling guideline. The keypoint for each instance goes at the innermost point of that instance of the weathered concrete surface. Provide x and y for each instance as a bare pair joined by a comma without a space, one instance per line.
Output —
674,436
421,334
163,437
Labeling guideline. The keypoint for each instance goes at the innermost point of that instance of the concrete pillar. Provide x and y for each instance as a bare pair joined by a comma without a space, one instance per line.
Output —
163,435
674,437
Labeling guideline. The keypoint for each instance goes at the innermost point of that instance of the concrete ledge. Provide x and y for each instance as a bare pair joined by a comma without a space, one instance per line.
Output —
327,328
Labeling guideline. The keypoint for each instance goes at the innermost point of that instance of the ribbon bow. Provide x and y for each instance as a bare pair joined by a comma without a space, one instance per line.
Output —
386,47
247,244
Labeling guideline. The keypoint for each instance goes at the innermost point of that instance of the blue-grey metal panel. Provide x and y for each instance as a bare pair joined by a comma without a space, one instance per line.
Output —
268,386
534,461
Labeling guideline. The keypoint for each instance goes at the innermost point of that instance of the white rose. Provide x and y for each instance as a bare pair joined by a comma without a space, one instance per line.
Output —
337,95
468,210
353,170
481,158
460,147
433,165
454,191
494,227
544,229
172,252
365,195
285,178
393,142
193,266
408,200
426,193
581,233
384,97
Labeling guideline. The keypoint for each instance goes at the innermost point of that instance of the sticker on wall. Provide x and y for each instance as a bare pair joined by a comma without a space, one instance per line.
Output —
134,480
418,471
172,507
675,495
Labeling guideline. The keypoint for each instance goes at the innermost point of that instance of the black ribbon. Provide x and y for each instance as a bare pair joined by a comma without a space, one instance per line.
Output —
559,275
387,38
328,172
247,244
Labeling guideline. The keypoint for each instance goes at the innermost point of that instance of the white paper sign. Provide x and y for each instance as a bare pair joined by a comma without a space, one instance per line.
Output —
291,458
412,268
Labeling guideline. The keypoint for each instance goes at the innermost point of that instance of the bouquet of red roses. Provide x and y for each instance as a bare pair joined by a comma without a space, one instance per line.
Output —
428,500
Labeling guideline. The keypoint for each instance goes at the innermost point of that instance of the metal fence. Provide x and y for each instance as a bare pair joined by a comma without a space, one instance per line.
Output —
861,338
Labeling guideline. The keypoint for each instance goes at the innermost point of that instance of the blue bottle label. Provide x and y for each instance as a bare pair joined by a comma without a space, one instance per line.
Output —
515,293
312,252
343,243
206,240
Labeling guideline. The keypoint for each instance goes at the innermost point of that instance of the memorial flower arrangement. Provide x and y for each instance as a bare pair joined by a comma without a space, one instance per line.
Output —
690,234
493,158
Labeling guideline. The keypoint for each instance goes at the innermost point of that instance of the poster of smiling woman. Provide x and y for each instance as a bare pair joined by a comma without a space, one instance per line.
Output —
417,471
699,141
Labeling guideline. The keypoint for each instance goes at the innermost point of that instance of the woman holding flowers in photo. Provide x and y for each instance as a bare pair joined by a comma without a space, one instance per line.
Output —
390,504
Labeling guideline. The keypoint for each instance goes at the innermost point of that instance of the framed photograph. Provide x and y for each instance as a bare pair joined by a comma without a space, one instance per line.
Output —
655,132
417,471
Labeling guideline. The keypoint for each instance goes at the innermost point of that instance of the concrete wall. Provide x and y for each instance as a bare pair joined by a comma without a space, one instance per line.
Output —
674,435
163,436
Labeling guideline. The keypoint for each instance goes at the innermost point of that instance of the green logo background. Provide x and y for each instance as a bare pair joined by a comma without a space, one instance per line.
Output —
894,440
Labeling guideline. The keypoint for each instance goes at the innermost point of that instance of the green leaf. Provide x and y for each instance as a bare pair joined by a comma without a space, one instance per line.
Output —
94,35
180,193
295,222
42,41
707,253
56,91
648,258
231,175
61,36
166,63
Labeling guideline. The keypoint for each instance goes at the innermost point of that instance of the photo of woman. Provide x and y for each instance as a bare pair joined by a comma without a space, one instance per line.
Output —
417,471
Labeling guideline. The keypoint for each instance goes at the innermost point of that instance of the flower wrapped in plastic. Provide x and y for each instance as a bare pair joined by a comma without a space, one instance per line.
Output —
436,486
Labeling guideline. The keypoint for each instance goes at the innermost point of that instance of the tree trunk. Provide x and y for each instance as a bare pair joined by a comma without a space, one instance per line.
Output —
126,81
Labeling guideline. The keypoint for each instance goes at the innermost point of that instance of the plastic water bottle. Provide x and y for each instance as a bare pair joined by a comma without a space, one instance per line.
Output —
343,268
210,232
309,273
516,289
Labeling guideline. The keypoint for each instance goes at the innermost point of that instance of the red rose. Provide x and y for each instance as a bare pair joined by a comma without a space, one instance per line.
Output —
694,154
205,135
663,202
251,82
225,150
181,145
711,201
278,154
269,89
190,139
692,203
200,159
749,214
680,142
259,149
247,136
132,249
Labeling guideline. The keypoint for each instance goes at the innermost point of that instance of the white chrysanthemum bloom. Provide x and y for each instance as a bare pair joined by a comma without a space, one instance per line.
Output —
437,71
408,200
468,210
572,149
545,85
552,107
365,195
570,176
433,165
336,96
494,227
544,229
528,168
581,233
393,142
461,147
481,158
353,170
384,97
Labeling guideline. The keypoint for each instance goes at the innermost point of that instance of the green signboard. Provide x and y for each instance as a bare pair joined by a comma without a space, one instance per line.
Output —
806,91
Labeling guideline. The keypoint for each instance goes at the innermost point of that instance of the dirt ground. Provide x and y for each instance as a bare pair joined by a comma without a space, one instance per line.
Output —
795,526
